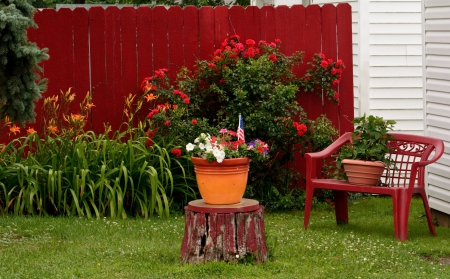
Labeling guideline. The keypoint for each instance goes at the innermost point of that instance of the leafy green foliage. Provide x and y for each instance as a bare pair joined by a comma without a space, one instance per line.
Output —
256,80
369,141
20,84
71,172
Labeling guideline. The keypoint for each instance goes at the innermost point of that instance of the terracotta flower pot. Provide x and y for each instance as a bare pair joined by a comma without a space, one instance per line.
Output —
363,172
221,183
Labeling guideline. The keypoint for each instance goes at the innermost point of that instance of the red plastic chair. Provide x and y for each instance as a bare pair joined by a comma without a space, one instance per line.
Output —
410,154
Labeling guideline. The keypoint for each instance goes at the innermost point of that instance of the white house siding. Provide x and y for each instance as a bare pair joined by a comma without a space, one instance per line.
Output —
436,21
395,62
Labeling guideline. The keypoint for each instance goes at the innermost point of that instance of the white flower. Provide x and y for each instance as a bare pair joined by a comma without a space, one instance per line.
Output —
190,147
219,154
196,140
208,146
201,146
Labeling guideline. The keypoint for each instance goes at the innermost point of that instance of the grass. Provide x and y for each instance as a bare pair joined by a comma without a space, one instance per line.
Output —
45,247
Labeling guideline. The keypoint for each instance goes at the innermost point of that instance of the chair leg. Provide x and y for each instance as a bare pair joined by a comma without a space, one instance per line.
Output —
427,211
341,206
401,203
308,204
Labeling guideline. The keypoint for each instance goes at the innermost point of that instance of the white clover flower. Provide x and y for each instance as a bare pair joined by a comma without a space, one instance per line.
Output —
190,147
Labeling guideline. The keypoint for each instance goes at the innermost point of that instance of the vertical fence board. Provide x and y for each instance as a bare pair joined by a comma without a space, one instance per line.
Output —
34,35
48,33
329,48
313,25
206,26
81,58
267,20
65,49
237,25
298,37
112,102
176,44
160,43
190,36
221,25
282,28
345,52
145,42
98,65
129,51
144,49
252,23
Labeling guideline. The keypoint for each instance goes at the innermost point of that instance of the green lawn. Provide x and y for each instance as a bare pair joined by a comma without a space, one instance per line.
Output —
33,247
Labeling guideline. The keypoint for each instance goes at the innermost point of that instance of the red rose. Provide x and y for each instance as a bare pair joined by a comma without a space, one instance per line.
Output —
176,152
250,42
149,143
324,64
194,122
186,101
301,128
167,122
273,57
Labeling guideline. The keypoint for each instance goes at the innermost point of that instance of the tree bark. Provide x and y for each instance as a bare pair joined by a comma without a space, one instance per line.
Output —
224,237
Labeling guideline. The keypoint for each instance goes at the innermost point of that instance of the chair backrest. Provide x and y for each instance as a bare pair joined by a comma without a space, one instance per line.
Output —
407,151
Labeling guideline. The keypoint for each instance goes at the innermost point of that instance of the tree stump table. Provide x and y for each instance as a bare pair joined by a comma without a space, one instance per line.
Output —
224,232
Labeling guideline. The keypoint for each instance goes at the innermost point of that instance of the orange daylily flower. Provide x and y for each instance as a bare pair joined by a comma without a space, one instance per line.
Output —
52,129
77,117
90,105
30,131
150,97
14,129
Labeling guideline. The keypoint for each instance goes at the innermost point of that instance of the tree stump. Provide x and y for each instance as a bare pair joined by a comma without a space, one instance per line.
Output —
224,232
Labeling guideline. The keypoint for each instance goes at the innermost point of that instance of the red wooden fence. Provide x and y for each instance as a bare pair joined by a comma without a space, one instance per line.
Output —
109,51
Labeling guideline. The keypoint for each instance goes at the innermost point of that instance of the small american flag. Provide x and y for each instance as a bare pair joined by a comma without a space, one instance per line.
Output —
240,129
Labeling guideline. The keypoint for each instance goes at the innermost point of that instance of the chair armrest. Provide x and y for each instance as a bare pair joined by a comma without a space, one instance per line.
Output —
331,148
439,150
312,158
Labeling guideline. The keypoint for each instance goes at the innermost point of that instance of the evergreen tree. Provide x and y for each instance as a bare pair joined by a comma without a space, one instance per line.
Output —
20,82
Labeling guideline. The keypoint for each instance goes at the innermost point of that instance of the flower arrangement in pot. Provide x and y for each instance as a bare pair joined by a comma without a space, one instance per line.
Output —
368,147
221,165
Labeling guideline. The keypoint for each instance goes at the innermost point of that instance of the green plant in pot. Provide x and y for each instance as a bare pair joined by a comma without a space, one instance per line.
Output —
368,147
